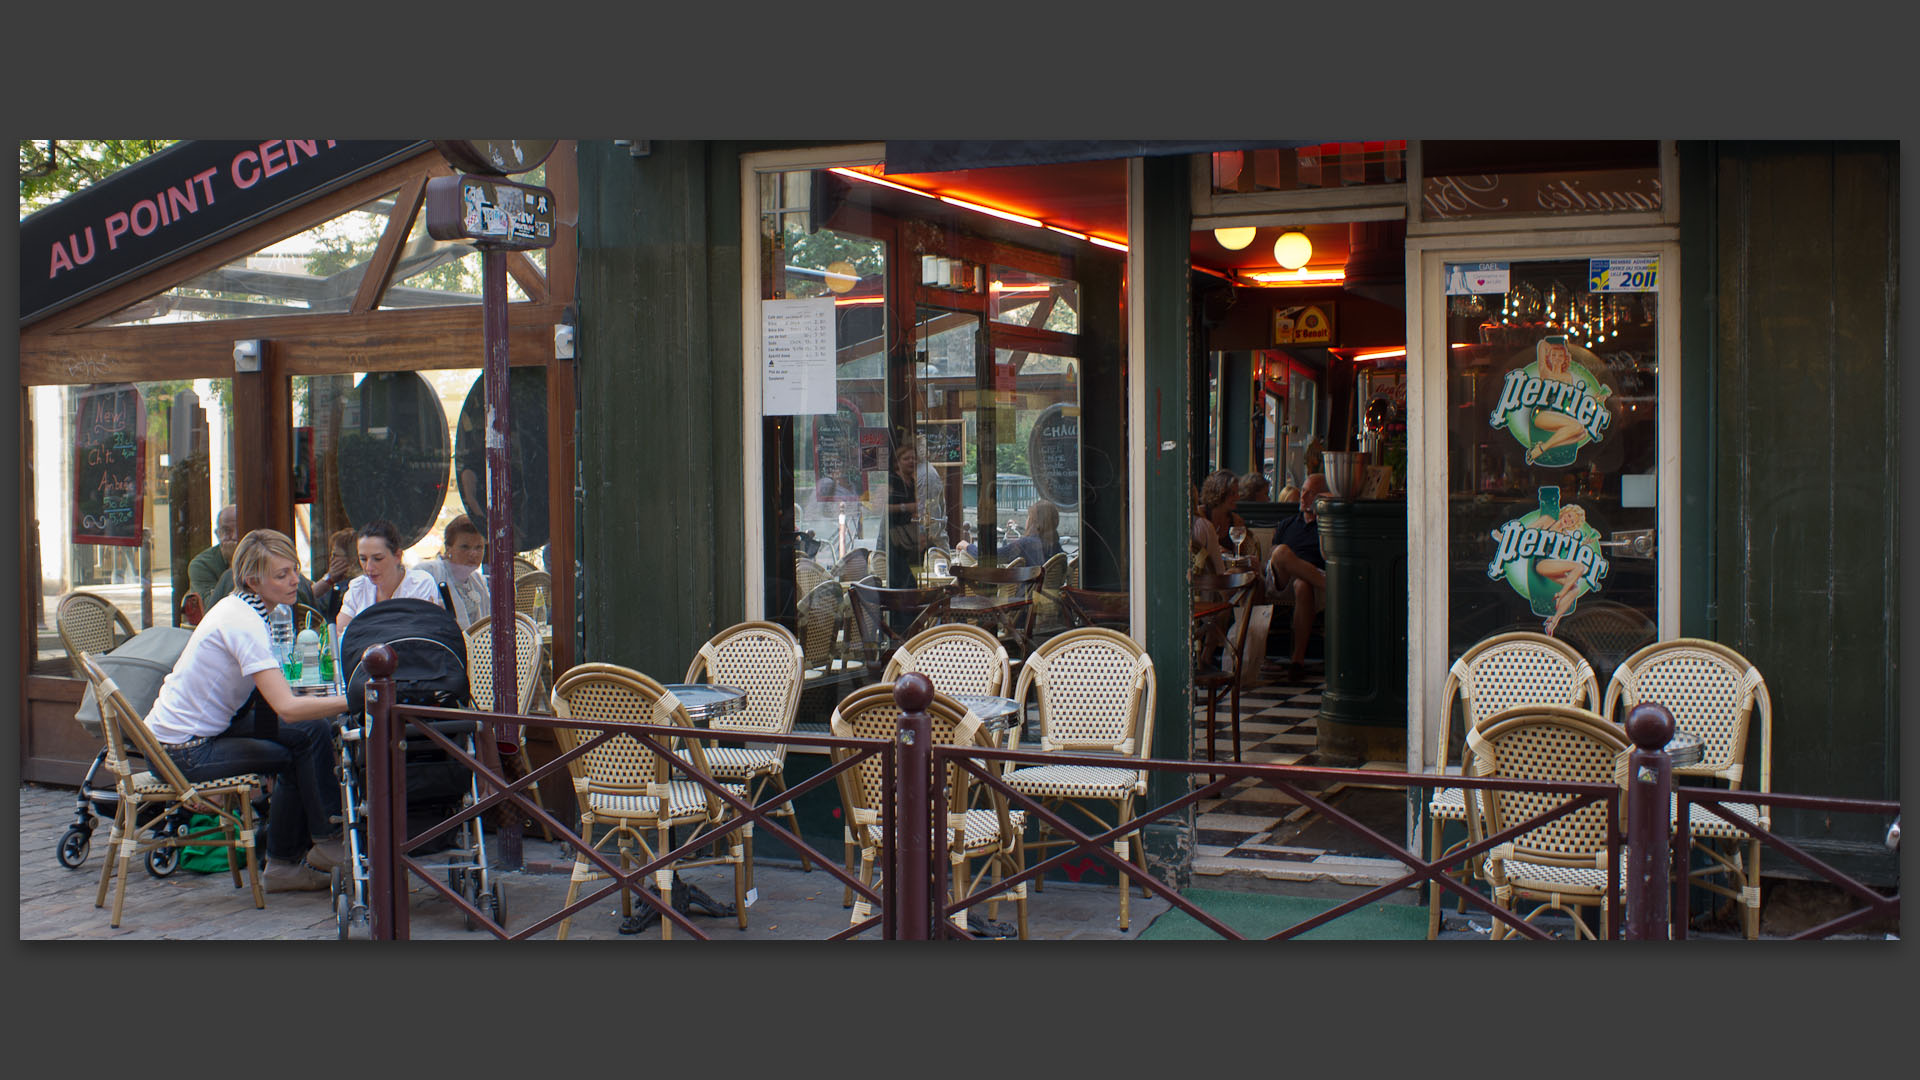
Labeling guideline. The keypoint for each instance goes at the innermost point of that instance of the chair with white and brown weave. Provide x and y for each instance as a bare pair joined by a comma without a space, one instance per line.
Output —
1716,694
1095,690
1562,863
625,786
1515,668
89,623
984,844
145,795
763,660
527,679
1498,673
532,590
1050,612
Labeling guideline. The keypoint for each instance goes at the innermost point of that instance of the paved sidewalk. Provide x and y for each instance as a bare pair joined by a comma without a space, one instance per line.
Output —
57,903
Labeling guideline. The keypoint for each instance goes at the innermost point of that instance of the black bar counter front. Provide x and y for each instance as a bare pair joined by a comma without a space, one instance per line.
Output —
1363,711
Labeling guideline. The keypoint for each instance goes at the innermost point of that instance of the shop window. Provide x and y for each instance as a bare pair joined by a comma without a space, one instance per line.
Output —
318,270
125,480
1310,168
964,320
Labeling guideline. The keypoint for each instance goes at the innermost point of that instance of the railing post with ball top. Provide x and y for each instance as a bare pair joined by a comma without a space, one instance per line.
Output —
1649,794
913,814
381,745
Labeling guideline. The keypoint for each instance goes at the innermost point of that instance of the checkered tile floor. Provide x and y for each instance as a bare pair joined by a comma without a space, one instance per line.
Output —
1248,831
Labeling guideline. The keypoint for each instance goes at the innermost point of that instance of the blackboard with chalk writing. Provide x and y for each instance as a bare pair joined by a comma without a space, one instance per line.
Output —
836,452
1053,455
946,442
109,465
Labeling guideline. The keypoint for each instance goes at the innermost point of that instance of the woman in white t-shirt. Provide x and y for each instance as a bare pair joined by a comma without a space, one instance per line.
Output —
458,568
226,709
382,575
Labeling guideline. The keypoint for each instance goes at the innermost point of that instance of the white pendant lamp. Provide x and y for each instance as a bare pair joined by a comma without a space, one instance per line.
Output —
1292,250
1236,238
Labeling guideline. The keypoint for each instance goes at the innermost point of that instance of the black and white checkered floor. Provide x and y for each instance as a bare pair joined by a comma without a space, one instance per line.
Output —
1258,831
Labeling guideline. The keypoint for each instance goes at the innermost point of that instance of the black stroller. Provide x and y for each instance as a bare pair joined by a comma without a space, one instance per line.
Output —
432,670
137,667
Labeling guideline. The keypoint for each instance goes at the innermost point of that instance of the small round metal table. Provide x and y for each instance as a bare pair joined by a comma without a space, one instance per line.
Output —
998,713
1686,748
704,701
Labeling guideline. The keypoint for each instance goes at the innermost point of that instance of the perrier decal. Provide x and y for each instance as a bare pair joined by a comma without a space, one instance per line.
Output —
1554,405
1551,557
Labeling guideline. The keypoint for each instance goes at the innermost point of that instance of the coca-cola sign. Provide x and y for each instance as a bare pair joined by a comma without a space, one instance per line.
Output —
1614,191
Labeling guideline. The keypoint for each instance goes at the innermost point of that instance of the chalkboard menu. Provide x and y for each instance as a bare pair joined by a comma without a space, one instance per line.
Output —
946,442
1053,455
526,455
109,465
394,461
836,452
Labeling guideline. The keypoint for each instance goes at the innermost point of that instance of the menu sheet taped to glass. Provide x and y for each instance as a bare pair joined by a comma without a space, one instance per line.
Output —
797,357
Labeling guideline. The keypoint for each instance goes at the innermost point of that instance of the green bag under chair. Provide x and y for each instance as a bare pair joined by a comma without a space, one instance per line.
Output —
207,858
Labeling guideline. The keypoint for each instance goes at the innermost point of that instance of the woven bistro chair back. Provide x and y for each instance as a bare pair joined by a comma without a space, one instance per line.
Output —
1013,580
763,659
1050,611
1095,689
89,623
871,605
1563,863
522,566
820,618
528,588
1712,691
991,833
1501,672
956,657
807,574
526,661
622,768
853,565
161,785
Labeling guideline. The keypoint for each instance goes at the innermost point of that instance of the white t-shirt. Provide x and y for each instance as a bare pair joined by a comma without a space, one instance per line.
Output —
214,675
360,592
471,599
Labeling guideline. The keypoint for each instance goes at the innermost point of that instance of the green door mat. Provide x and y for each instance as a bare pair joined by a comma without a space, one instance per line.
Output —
1261,915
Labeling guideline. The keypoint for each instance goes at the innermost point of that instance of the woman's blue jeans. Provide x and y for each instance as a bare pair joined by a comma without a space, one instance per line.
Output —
306,798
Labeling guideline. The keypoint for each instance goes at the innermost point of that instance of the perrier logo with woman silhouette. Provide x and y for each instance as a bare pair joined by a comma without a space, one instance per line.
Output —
1551,557
1554,405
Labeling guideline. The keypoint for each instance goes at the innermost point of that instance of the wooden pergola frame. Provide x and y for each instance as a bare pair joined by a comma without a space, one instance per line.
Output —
64,349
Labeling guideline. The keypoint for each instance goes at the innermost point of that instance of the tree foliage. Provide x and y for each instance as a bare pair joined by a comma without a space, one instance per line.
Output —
52,169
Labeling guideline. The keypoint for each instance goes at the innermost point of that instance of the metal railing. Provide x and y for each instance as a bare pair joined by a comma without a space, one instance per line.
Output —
911,898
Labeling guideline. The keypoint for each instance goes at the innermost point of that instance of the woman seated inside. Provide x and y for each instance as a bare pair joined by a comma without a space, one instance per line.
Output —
1041,541
342,567
1219,494
382,575
226,709
458,568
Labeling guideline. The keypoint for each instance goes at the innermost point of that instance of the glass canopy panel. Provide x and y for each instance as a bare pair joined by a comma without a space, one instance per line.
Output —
438,273
315,271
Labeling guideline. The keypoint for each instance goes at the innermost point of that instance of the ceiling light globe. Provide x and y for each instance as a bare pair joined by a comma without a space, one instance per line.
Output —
1235,239
1292,250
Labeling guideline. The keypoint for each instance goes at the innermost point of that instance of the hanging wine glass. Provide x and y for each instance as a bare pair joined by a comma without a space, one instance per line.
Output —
1556,304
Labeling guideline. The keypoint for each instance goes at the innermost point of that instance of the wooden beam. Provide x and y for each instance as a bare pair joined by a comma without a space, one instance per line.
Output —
379,272
525,271
563,179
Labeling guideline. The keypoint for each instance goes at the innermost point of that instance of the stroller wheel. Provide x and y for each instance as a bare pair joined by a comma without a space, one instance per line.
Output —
334,887
73,847
162,861
342,908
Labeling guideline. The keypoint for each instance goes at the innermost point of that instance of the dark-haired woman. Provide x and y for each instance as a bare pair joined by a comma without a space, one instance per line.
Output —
382,575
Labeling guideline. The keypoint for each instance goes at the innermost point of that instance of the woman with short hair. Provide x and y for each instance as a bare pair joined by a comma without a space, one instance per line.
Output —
226,709
382,575
458,568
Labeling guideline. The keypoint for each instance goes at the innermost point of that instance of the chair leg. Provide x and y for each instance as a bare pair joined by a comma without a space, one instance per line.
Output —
742,856
1236,713
779,784
108,855
580,874
853,851
129,841
1126,886
248,824
1433,887
860,909
233,844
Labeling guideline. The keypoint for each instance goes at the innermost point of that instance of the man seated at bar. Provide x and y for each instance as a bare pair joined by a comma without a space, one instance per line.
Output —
203,573
1296,566
226,709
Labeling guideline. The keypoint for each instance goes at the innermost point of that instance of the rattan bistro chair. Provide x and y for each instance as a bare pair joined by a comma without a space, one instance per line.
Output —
956,657
1562,863
1231,640
1515,668
1717,694
527,676
1095,690
161,789
529,589
89,623
990,835
764,660
624,785
874,609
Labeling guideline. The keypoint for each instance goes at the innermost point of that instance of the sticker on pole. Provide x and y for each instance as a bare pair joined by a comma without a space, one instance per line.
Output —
1641,273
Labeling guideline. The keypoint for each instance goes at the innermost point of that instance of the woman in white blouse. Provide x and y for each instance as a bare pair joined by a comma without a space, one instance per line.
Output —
382,575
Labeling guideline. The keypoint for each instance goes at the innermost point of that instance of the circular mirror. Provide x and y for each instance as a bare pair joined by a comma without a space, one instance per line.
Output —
526,455
394,456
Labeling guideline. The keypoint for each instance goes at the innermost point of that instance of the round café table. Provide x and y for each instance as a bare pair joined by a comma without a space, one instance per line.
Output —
704,701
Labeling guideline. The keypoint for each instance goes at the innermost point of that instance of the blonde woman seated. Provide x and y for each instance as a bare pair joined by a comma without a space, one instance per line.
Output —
226,709
382,575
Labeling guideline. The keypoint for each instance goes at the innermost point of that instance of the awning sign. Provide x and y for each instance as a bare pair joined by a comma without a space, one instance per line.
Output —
1467,279
1641,273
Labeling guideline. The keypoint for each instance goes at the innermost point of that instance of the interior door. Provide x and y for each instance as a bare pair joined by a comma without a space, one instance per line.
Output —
1554,450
